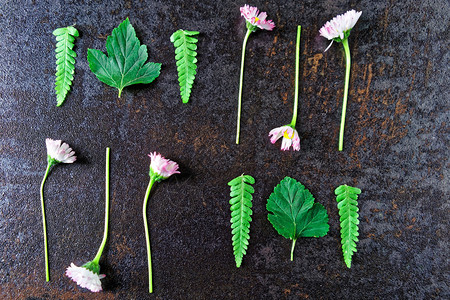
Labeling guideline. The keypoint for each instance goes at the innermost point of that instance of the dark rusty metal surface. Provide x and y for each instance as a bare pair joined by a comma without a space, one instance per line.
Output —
396,151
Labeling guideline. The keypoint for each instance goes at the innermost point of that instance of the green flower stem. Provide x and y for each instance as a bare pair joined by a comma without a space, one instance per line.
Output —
292,250
344,103
238,129
147,238
47,272
105,234
297,69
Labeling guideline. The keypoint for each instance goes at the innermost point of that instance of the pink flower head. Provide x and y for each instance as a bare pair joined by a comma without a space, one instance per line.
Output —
252,16
340,26
161,167
85,278
290,137
60,153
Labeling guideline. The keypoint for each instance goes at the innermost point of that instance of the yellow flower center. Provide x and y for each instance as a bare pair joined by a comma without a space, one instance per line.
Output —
286,135
256,19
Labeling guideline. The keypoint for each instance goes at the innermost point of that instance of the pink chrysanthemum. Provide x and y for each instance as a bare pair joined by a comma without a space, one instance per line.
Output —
252,15
85,278
339,26
290,137
61,153
161,166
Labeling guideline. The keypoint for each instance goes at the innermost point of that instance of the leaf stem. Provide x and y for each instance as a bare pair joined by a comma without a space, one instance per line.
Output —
297,59
344,103
147,238
120,92
47,272
105,234
241,79
292,249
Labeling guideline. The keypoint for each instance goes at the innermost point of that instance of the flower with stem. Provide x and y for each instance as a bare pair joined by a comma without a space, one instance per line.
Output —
160,169
56,153
253,20
88,275
288,132
338,30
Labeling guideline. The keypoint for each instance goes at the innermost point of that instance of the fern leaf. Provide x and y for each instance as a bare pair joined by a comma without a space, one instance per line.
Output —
185,55
241,210
65,61
347,196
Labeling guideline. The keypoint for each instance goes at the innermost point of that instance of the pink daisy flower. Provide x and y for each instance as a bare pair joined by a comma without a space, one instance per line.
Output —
162,167
85,278
290,137
339,27
62,153
252,15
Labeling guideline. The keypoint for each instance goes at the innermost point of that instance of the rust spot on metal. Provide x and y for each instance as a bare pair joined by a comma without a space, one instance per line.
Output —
271,52
313,64
121,250
284,97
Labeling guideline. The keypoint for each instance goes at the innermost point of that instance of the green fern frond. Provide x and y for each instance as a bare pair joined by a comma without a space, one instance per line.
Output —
241,210
185,55
65,61
347,196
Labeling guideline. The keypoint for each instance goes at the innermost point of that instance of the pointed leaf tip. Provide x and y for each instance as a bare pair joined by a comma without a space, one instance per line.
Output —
347,196
293,213
126,61
241,204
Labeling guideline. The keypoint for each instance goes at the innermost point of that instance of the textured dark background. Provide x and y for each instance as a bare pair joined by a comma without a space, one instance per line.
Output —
396,151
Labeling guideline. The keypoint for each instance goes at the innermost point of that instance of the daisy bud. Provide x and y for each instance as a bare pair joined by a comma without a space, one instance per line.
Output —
161,168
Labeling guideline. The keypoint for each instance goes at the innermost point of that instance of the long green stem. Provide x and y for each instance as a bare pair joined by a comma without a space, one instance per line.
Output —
292,250
297,70
344,103
147,237
241,80
47,272
105,233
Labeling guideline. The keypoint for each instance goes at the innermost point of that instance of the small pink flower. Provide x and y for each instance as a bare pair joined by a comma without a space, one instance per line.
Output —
339,26
161,166
85,278
290,137
61,153
252,15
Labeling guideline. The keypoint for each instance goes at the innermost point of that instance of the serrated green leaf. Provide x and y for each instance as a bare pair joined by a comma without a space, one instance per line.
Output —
241,209
347,196
294,214
65,61
125,64
185,56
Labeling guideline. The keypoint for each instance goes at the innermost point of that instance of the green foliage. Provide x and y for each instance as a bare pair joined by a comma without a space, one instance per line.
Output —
347,196
65,61
125,63
241,210
294,214
185,56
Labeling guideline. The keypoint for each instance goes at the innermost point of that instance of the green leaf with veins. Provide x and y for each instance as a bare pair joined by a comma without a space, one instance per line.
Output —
125,64
294,214
241,210
347,197
185,55
65,61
